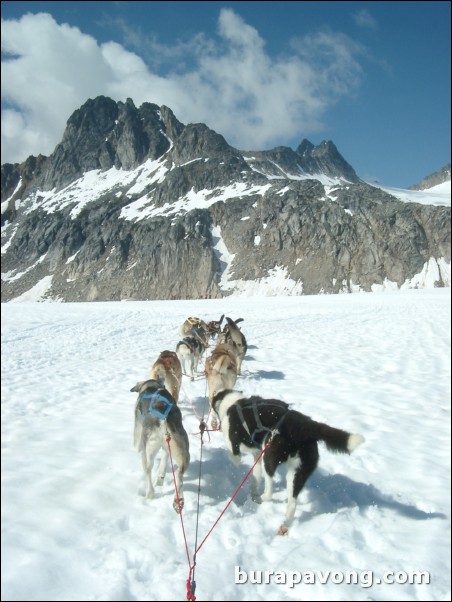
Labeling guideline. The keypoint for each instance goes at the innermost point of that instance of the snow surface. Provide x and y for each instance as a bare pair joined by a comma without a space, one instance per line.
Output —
436,195
75,524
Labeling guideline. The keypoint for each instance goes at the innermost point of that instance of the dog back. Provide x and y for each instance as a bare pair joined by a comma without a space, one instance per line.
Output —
256,418
222,358
252,419
221,368
193,344
167,370
194,327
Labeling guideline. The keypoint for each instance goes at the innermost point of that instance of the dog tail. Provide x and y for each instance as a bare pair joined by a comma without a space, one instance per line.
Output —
138,431
158,373
335,439
222,364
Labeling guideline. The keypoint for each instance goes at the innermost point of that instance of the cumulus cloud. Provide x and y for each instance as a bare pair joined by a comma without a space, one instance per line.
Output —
230,83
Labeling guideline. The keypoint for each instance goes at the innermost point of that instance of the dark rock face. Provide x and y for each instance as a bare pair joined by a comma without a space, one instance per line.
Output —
133,205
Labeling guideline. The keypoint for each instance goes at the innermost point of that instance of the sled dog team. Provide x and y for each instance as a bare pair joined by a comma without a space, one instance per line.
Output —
248,424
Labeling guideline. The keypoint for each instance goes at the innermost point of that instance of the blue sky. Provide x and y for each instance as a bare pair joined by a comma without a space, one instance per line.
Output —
373,77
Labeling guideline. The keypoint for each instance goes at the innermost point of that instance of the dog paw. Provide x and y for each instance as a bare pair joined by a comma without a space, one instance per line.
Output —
149,494
256,498
178,506
160,481
282,530
235,459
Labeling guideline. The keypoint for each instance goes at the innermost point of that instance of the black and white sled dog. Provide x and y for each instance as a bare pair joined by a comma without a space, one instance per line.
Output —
157,418
189,351
249,424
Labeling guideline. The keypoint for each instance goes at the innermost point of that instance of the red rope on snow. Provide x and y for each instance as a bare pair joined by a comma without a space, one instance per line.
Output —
191,583
232,499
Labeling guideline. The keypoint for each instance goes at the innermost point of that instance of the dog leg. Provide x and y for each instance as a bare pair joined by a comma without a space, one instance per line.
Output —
256,479
162,468
181,454
235,459
147,469
298,472
231,440
178,501
268,491
192,367
273,457
195,361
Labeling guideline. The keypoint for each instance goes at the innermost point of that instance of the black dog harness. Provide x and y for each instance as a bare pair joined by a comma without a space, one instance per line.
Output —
261,433
194,343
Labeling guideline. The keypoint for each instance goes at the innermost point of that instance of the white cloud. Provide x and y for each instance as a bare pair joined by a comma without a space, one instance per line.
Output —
365,19
232,84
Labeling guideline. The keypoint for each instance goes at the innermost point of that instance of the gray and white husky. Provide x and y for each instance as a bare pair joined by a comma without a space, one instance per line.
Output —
232,335
158,420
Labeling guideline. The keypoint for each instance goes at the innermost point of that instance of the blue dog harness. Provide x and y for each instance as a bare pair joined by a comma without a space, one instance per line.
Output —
151,409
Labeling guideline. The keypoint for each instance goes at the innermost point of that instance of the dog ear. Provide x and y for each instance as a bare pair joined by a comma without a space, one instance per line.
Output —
137,387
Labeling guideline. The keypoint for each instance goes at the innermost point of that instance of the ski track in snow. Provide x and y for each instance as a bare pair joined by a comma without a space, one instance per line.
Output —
75,524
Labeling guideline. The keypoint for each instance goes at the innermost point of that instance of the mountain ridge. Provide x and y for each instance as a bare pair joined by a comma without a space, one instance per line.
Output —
133,204
438,177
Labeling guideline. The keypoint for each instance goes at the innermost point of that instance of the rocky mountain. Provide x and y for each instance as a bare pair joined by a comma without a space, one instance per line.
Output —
133,204
443,175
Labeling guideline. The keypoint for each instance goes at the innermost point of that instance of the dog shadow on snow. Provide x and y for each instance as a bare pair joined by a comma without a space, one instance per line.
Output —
271,374
327,493
323,494
219,478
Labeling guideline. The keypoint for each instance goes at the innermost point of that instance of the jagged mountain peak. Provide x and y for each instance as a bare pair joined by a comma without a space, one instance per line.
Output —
304,148
133,204
323,161
104,133
325,158
197,141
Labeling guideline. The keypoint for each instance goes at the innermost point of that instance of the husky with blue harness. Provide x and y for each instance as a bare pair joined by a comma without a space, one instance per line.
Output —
158,424
251,424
